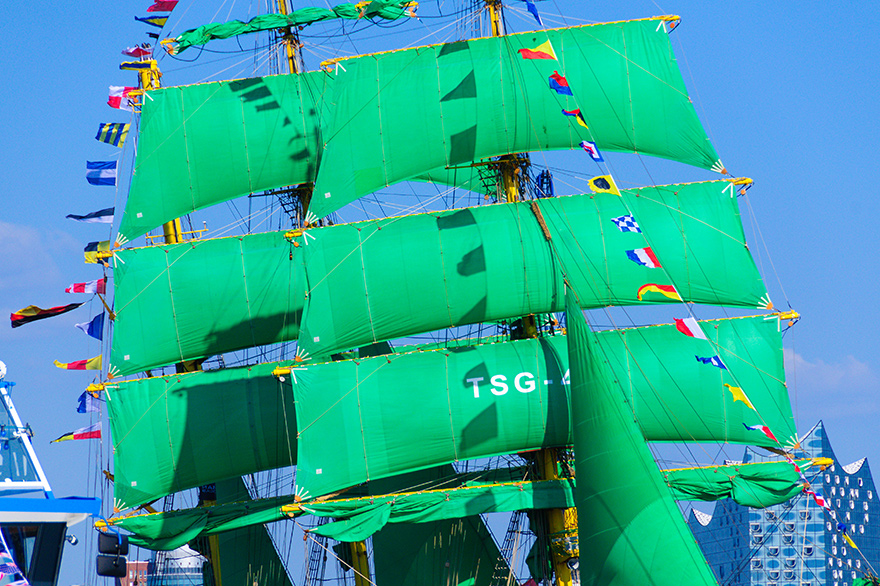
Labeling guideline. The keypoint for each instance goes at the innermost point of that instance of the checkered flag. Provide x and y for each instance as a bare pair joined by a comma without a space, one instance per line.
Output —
626,223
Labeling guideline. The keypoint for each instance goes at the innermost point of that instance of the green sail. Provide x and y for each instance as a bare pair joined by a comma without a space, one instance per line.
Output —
383,279
220,424
630,530
201,427
208,143
475,99
756,485
387,9
356,423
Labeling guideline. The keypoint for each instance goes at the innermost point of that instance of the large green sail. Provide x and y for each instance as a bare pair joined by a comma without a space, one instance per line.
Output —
469,100
219,424
356,423
378,280
200,427
208,143
630,530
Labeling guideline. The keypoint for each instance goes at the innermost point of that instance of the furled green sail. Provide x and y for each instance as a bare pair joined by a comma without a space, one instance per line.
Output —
356,423
386,9
378,280
473,99
246,416
201,427
756,485
208,143
630,530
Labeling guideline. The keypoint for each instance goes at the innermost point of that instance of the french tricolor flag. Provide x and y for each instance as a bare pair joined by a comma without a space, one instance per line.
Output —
644,256
763,429
689,327
119,97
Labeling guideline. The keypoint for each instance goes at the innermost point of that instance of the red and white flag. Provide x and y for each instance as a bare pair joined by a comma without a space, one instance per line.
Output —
137,51
119,97
96,286
162,6
689,327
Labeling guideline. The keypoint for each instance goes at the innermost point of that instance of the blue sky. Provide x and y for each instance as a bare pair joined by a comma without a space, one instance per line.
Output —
786,92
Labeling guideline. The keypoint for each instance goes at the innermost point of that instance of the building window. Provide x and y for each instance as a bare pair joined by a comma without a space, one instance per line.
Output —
837,503
858,563
773,550
846,480
773,574
805,515
755,527
852,504
789,527
757,539
757,565
788,575
827,479
836,479
789,562
808,550
860,482
862,529
833,537
870,495
828,525
833,491
842,550
788,539
847,516
866,517
770,516
853,575
865,505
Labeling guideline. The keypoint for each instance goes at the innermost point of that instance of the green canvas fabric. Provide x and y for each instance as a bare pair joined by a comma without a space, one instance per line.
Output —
357,418
360,519
354,284
751,485
630,531
200,428
204,144
247,414
386,9
475,99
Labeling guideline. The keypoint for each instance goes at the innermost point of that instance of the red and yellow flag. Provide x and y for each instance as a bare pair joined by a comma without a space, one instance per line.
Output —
542,51
34,313
90,364
665,290
91,432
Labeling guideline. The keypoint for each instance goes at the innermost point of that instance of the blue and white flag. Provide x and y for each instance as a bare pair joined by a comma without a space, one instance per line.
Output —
89,403
95,327
592,150
104,216
101,172
713,360
626,223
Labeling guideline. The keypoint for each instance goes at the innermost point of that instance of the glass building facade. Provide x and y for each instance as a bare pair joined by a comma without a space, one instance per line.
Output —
797,543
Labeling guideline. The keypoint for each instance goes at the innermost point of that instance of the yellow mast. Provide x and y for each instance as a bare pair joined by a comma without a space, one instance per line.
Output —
562,523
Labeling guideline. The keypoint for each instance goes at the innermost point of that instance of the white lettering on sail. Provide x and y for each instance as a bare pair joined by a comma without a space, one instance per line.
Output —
476,382
529,385
499,381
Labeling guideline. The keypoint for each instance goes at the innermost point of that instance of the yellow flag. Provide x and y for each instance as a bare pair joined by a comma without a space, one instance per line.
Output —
604,184
739,395
850,541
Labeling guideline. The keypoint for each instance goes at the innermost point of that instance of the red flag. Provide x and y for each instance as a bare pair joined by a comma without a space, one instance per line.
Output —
119,97
96,286
34,313
162,6
138,51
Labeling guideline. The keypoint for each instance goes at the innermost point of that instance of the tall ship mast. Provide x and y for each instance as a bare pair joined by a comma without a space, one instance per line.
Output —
406,354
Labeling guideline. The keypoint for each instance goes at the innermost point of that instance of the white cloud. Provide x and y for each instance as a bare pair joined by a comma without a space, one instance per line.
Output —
849,387
28,256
